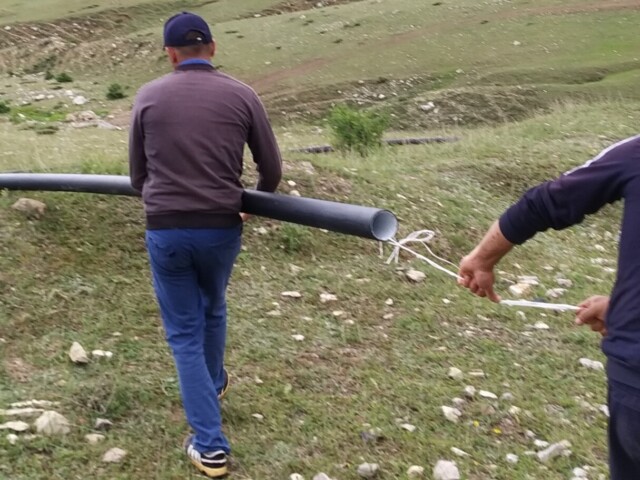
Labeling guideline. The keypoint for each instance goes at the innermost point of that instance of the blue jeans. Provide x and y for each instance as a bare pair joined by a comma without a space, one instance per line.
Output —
624,431
191,270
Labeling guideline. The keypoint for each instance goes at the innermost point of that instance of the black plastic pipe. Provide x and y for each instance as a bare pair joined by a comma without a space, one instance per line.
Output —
365,222
391,141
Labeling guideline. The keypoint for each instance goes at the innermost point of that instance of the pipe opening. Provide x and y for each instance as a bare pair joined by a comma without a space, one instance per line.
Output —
384,226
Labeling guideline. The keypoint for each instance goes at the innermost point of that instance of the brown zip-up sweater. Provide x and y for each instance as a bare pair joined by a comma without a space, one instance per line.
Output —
186,147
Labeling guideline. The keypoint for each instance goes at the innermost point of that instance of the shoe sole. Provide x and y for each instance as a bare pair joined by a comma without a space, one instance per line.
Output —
210,472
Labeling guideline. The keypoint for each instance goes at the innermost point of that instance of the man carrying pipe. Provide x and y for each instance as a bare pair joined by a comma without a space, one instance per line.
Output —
186,148
611,176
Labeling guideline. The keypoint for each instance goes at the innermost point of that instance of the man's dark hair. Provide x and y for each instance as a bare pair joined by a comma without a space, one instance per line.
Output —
196,49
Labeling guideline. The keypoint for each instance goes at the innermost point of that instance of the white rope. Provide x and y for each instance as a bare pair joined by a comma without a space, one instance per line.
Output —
423,237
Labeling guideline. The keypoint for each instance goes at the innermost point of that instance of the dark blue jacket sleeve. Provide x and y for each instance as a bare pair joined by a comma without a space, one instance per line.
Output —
566,201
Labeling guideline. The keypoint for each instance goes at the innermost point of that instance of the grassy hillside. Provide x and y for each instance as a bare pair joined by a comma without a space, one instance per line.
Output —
80,273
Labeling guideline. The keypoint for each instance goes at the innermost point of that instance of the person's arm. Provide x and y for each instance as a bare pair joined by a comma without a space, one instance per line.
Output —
137,156
264,148
557,204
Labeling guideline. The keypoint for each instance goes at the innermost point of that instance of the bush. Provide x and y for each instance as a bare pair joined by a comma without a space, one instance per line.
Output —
294,238
64,78
115,92
48,75
356,130
4,108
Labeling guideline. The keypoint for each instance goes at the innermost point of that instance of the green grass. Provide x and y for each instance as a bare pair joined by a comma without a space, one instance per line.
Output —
81,274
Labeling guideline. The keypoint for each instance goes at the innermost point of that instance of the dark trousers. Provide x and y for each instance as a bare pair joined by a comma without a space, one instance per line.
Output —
624,431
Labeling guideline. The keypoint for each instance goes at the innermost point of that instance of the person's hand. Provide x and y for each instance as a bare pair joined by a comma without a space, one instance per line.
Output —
245,217
477,275
593,312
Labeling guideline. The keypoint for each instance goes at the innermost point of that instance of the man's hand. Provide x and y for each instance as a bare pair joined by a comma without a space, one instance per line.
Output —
245,217
477,275
593,312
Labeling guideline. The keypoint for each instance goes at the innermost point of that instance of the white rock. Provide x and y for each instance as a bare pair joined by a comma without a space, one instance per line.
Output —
258,416
507,397
291,183
458,402
512,458
21,412
77,354
12,438
455,373
521,315
592,364
291,294
94,438
389,302
261,231
338,313
408,427
15,426
553,451
427,107
328,297
556,292
514,411
34,404
79,100
605,410
103,424
476,373
445,470
101,354
580,473
516,43
459,453
322,476
52,423
31,208
415,471
469,391
368,470
298,338
541,326
540,443
520,289
488,395
40,97
451,414
529,453
295,193
564,282
529,280
115,455
296,476
415,276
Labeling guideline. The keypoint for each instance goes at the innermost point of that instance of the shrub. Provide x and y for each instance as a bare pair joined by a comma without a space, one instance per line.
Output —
115,92
356,130
64,78
48,75
4,108
294,238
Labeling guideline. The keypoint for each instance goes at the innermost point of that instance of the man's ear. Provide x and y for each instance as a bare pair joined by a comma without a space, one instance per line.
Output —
213,49
173,55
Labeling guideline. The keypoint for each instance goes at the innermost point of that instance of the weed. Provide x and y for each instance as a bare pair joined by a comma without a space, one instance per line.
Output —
4,107
115,92
294,238
64,78
357,130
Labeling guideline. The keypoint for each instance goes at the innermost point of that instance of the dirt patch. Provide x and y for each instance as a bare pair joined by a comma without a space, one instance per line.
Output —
271,80
296,6
18,370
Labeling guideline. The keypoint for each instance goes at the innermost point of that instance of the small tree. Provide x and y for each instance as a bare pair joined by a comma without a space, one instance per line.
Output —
64,78
115,92
357,130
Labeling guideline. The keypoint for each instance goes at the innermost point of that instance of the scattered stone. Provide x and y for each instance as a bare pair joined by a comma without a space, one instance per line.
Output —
458,402
84,116
389,302
328,297
564,282
368,470
521,315
337,313
507,397
15,426
459,453
514,411
476,373
291,295
541,326
94,438
258,416
530,435
553,451
427,107
416,276
295,193
80,100
296,476
77,354
12,438
261,231
488,395
516,43
415,471
529,453
445,470
408,427
556,292
388,316
520,289
469,391
373,435
34,404
592,364
115,455
451,414
455,373
40,97
540,443
101,354
605,410
52,423
21,412
512,458
580,473
31,208
298,338
103,424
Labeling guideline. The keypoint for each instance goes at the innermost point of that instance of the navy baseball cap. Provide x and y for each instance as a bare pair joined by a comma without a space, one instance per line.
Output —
186,29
